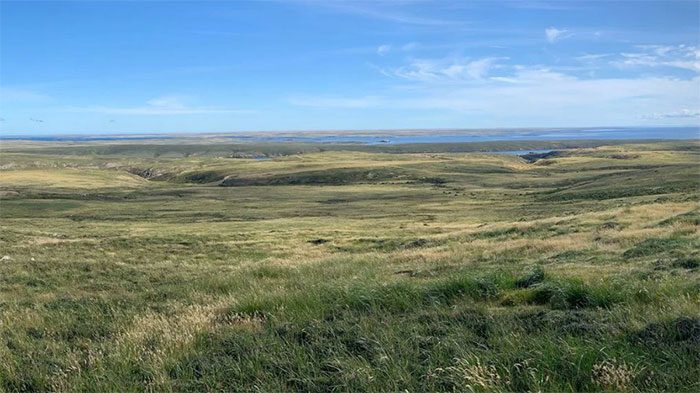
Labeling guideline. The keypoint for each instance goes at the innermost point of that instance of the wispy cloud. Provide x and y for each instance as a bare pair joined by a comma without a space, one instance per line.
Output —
435,70
163,105
337,102
386,11
592,57
677,56
492,88
383,49
544,5
564,99
679,114
175,102
410,46
11,94
552,34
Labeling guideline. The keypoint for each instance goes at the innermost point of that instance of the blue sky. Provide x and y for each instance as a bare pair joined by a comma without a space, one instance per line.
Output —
112,67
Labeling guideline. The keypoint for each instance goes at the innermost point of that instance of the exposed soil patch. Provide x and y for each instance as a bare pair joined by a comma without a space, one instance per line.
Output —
149,173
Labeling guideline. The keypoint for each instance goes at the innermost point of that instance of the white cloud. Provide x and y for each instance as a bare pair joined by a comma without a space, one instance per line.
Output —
478,69
553,34
680,114
168,102
527,95
383,49
547,94
163,105
431,70
496,91
591,57
532,76
678,56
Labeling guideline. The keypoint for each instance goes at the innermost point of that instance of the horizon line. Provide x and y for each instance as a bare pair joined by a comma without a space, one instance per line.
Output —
4,133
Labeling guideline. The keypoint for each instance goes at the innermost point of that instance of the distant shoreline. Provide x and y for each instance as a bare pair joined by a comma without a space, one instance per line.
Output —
390,136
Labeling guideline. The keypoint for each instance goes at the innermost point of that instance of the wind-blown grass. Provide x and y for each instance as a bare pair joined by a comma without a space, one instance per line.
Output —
349,270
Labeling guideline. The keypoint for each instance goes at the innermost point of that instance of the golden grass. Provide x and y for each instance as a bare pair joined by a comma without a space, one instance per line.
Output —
168,270
69,178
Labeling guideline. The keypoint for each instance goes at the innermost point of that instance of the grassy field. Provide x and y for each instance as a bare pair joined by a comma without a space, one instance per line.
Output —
184,267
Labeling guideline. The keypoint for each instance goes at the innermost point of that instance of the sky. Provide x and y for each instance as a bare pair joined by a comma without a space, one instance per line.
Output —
223,66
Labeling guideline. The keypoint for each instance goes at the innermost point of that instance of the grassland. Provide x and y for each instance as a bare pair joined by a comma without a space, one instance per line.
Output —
183,267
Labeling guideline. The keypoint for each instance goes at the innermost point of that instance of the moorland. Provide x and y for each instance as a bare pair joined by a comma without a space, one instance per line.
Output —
166,266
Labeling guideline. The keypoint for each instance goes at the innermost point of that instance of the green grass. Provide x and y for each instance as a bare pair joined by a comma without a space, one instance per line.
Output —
349,268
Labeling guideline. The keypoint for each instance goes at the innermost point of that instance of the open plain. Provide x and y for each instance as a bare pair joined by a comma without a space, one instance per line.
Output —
330,267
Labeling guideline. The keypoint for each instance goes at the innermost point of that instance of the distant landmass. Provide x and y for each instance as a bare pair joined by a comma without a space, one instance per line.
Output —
393,136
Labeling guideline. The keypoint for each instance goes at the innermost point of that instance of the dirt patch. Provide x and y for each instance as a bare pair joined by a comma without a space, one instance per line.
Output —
8,193
42,240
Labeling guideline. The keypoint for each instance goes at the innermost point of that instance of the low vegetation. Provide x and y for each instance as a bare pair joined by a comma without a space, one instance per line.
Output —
349,268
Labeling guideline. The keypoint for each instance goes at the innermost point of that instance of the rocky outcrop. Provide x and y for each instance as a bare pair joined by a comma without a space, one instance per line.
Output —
149,173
